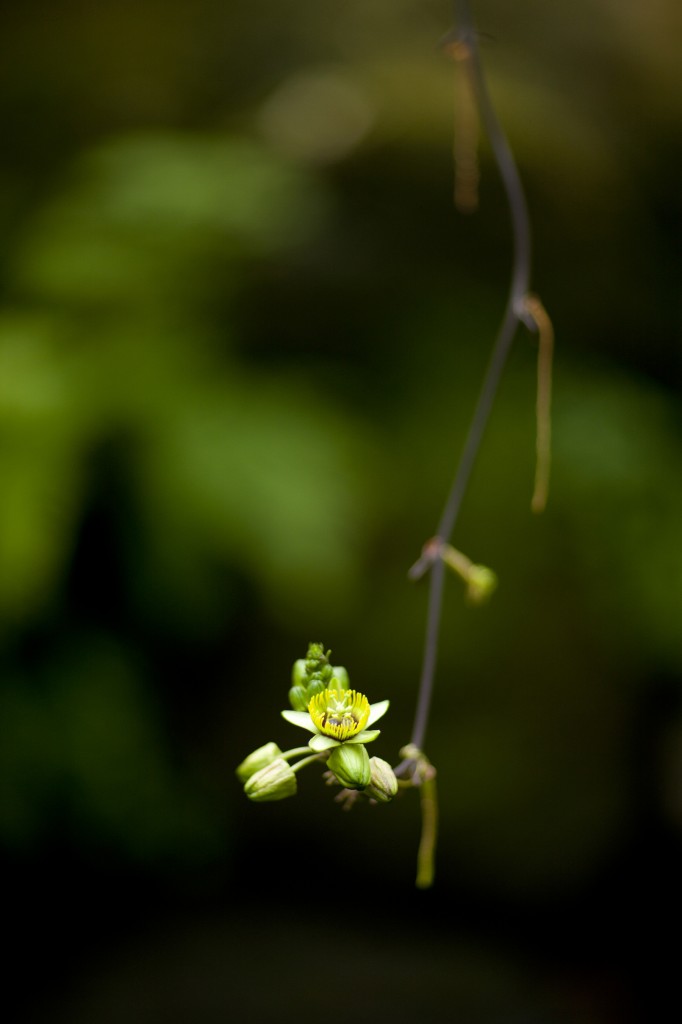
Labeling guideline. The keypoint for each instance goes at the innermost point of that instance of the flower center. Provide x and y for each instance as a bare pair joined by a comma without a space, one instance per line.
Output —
339,713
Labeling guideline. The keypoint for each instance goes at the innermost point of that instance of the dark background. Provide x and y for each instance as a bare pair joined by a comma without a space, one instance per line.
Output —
242,331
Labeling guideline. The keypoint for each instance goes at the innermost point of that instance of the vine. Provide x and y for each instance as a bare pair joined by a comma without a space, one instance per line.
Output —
321,699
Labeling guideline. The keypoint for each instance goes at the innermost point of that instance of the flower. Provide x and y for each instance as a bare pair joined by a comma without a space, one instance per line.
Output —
338,716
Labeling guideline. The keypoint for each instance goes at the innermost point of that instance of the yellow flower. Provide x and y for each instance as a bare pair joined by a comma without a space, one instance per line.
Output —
338,716
339,713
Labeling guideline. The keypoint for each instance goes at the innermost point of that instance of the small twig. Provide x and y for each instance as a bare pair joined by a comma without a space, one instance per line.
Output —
423,775
427,846
544,401
430,552
465,141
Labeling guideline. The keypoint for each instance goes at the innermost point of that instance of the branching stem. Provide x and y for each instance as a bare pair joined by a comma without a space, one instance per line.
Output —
464,42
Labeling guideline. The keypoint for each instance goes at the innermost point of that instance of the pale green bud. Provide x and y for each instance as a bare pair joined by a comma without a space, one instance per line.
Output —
312,675
341,677
481,582
314,687
298,698
299,676
257,760
350,764
383,784
274,782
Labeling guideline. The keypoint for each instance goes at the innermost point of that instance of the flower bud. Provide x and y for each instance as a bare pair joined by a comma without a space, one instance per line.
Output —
314,687
299,676
383,784
298,698
481,582
350,764
274,782
341,677
257,759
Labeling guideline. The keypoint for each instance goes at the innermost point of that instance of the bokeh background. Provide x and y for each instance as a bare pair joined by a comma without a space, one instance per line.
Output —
242,331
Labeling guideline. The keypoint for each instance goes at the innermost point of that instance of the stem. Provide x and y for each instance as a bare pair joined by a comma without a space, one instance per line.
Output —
467,38
457,561
433,616
427,845
544,401
294,752
466,41
305,761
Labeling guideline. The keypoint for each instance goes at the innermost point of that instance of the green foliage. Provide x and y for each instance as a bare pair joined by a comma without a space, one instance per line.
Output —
112,361
625,498
261,370
144,219
85,748
223,463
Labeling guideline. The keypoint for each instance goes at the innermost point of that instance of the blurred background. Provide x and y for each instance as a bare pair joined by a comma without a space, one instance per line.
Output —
242,331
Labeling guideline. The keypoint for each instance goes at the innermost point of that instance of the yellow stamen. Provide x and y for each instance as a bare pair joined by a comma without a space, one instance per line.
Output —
339,713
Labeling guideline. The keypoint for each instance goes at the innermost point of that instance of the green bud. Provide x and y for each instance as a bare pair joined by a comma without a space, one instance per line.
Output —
274,782
350,764
341,677
257,760
317,662
314,687
317,654
299,675
298,698
383,784
314,674
481,582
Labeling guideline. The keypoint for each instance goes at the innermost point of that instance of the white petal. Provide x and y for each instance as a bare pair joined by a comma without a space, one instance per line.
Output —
300,718
320,742
376,711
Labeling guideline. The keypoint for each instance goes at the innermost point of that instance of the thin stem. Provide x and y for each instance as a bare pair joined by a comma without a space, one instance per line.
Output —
465,141
305,761
544,401
479,421
433,617
427,845
294,752
465,40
